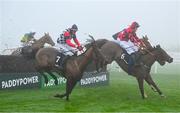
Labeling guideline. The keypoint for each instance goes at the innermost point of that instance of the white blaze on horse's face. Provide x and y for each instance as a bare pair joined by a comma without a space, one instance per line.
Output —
49,39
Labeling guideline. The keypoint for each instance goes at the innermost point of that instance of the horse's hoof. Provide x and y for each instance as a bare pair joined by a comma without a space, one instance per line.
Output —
67,99
57,95
145,96
153,89
61,96
163,96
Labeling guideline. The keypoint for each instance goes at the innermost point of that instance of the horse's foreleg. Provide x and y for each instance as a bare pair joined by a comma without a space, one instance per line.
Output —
60,96
150,80
53,76
45,77
97,64
149,83
70,85
141,86
65,94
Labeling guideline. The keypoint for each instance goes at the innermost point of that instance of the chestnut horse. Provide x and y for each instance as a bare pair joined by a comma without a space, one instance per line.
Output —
31,50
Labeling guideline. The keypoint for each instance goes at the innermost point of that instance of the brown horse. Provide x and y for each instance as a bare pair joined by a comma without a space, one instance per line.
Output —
28,50
113,52
74,66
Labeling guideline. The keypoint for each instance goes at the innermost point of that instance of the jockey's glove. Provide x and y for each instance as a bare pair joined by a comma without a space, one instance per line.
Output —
80,48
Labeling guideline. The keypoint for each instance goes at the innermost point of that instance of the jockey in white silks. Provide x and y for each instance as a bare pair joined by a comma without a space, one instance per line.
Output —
65,44
129,41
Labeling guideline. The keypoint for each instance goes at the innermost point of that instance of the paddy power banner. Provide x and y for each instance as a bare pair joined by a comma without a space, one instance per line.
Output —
90,78
51,81
26,80
19,80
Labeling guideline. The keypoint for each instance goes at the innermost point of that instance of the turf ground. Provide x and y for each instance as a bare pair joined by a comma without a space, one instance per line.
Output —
122,95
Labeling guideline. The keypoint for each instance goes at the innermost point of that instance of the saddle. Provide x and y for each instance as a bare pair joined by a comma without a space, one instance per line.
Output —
125,56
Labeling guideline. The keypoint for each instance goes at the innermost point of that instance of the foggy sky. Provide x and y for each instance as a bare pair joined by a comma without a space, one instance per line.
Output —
160,20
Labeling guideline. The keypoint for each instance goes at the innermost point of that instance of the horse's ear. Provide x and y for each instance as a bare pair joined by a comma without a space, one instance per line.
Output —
142,37
46,34
158,46
145,37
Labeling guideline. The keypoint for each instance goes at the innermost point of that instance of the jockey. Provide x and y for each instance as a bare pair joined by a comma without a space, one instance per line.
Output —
28,38
129,41
64,41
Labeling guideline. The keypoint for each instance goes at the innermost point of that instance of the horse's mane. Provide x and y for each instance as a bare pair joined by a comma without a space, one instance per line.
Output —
75,56
99,42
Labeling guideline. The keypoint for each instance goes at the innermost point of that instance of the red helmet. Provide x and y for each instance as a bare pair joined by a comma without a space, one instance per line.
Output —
134,25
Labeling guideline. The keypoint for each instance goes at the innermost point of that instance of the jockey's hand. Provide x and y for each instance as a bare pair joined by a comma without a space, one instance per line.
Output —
137,44
80,48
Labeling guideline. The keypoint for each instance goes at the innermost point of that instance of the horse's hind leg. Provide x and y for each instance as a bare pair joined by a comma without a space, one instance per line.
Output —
150,80
69,87
141,86
53,76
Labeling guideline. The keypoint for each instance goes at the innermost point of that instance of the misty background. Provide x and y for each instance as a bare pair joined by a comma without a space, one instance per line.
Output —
158,19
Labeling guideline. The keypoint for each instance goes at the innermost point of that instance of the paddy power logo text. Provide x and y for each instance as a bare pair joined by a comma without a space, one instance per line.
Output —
13,81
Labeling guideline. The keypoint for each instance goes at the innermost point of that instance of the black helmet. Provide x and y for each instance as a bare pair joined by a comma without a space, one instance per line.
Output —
74,27
135,25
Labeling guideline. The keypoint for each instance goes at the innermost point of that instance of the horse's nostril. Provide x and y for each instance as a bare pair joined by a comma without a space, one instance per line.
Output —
170,60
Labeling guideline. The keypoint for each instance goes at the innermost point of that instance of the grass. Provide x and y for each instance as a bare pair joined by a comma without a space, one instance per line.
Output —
122,95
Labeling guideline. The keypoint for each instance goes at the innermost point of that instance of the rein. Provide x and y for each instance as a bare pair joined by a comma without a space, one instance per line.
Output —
143,44
149,52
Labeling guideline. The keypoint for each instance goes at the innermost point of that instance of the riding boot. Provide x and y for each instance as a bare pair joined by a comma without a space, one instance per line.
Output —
61,67
137,60
63,62
133,56
130,65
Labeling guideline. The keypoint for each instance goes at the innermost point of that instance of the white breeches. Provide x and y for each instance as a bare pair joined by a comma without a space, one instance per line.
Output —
128,46
66,49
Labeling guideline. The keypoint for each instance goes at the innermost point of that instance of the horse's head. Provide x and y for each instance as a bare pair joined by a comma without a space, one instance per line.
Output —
161,56
98,55
145,46
47,39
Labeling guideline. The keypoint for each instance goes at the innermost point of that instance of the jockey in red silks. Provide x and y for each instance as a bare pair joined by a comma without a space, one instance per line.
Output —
65,43
128,40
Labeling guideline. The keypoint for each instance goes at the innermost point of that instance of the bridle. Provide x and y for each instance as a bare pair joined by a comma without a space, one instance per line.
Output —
145,48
